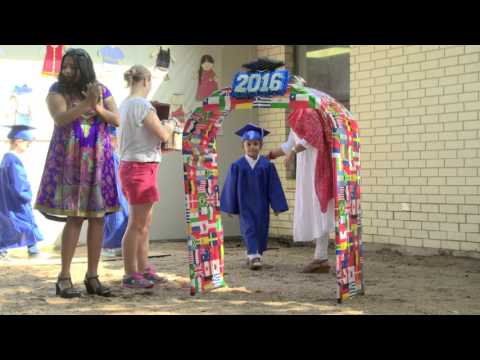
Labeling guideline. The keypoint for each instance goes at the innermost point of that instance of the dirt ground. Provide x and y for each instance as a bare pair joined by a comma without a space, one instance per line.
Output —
394,283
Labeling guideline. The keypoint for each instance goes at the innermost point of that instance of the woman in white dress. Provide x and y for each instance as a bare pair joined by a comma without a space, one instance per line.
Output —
309,223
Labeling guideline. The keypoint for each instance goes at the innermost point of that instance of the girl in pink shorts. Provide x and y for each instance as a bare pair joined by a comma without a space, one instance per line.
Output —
141,135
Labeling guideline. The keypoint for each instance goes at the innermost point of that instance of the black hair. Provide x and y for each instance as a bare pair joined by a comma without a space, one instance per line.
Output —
83,66
204,58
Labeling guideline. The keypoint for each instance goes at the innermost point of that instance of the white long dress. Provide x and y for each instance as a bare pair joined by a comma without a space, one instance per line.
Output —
309,223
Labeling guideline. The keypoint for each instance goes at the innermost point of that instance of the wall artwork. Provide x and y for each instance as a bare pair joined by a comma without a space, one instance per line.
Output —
53,60
207,81
20,101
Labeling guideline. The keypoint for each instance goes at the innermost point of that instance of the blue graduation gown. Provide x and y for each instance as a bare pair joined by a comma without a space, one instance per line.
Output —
116,223
250,193
18,226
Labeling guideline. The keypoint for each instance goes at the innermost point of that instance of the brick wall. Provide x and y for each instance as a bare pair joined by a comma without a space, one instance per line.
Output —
418,108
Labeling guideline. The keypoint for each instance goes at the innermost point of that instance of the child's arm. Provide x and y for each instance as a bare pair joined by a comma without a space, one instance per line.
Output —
20,185
229,197
276,195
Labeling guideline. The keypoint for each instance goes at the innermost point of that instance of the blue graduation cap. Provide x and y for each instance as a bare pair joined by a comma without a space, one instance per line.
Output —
22,132
252,132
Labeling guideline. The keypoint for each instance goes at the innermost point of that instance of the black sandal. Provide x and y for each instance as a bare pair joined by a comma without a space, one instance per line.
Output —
67,292
98,289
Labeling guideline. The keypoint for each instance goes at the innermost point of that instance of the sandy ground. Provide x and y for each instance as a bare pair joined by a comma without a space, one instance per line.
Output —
395,284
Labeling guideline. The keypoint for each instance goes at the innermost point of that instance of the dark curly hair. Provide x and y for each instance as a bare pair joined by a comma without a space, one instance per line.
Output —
83,66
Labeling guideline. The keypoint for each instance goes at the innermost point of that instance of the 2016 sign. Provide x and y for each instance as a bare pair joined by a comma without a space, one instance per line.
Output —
254,84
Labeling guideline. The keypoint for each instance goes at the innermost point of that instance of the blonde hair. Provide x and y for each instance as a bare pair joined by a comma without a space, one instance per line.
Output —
135,74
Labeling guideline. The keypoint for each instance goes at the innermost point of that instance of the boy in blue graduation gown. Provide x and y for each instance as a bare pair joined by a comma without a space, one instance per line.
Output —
115,223
251,187
18,226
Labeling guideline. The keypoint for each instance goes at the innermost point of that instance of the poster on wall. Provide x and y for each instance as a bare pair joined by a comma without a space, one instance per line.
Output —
207,81
111,54
20,101
193,71
111,57
53,60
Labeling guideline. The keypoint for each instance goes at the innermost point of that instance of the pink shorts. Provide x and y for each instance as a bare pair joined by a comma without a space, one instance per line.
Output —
139,182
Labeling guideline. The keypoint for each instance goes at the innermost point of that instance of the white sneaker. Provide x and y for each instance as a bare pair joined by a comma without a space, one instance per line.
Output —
255,263
111,252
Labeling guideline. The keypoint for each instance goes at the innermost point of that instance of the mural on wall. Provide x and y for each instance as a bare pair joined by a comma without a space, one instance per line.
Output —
111,54
53,60
111,57
20,100
207,81
174,76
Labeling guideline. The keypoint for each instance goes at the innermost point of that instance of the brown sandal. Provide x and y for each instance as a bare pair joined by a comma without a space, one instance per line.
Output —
66,292
98,288
317,267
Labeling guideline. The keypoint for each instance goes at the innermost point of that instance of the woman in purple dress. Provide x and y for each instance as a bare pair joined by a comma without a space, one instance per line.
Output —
78,181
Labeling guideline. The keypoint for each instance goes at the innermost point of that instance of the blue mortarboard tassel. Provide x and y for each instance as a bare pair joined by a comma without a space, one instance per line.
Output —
252,132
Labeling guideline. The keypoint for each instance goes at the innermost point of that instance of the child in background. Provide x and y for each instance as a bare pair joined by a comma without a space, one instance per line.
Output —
115,223
18,223
251,187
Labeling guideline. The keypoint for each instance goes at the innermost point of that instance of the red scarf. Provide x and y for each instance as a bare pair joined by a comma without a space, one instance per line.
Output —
312,125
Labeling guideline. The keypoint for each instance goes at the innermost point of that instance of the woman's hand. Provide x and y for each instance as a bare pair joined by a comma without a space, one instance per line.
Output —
99,107
170,124
289,158
92,95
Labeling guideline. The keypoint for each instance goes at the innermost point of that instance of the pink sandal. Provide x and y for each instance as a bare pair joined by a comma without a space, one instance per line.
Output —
136,281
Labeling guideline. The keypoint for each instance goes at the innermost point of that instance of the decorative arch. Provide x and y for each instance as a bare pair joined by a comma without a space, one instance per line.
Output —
202,193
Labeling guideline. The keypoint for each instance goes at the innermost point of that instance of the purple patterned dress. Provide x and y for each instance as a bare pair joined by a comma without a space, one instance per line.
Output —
79,176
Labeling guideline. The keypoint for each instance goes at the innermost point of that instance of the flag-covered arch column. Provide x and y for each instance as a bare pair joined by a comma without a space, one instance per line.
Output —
202,193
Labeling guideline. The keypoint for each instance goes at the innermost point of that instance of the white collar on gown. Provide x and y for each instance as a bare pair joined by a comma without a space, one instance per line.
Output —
252,162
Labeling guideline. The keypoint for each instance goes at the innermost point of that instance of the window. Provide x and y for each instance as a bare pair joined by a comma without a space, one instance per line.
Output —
326,68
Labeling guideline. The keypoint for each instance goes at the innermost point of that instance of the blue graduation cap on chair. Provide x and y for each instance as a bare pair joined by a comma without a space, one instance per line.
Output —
252,132
22,132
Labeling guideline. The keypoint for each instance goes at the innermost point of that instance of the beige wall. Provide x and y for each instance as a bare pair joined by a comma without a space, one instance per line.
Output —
418,109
